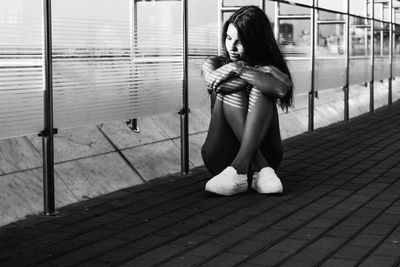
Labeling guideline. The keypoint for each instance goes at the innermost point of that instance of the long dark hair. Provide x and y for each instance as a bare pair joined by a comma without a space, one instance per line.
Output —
259,43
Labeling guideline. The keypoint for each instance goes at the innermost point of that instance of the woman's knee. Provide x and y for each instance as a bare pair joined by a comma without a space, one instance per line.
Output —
237,100
256,98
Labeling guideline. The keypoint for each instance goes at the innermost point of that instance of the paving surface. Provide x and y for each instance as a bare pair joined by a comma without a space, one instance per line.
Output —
341,207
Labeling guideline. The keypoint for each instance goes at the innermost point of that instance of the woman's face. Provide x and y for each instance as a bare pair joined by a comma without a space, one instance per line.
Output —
233,45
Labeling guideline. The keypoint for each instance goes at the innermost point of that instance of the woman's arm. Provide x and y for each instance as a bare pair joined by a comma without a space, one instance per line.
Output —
269,80
212,70
232,85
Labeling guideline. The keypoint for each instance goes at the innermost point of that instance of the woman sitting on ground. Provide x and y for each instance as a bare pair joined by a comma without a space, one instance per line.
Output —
245,85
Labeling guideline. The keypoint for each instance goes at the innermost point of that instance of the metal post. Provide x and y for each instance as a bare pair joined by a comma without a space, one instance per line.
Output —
312,92
390,52
277,20
381,33
219,25
132,122
185,109
371,84
133,33
47,134
346,88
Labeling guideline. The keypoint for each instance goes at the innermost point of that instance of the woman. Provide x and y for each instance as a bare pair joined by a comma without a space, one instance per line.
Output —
245,85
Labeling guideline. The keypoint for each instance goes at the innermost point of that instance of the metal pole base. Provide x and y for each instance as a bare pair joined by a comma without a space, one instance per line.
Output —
54,213
390,94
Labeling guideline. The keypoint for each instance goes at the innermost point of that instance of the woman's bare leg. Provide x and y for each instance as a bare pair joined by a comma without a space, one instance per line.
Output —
258,124
236,108
221,144
225,134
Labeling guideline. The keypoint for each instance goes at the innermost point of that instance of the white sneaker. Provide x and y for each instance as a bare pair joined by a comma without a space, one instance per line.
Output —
227,183
266,182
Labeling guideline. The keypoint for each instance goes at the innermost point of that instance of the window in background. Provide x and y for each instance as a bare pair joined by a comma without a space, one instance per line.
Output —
378,11
304,2
396,60
270,10
360,50
382,59
240,2
386,12
287,9
396,51
295,37
397,14
378,38
358,7
338,5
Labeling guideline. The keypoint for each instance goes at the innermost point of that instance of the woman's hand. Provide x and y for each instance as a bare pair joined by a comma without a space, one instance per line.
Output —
223,73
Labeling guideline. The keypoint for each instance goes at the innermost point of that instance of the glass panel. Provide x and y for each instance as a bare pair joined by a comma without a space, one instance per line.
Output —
360,51
158,59
381,93
385,39
382,60
358,7
330,72
294,38
100,76
329,107
396,61
396,51
203,42
324,15
286,9
360,32
330,57
338,5
359,98
21,67
381,68
381,64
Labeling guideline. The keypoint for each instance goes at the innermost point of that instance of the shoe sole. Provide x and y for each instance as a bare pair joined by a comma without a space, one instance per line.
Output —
271,193
237,191
278,191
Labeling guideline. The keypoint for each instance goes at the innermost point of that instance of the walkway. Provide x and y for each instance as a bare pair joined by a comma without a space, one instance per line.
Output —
341,207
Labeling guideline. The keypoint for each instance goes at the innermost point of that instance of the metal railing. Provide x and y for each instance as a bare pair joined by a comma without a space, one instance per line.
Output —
49,130
315,22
